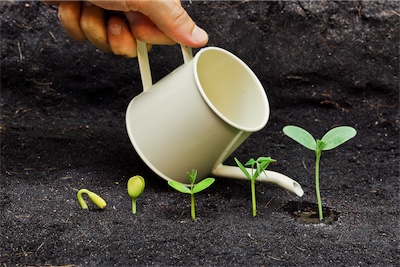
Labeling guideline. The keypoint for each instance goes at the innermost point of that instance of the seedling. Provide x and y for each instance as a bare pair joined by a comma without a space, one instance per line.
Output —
96,199
135,189
330,140
192,189
261,165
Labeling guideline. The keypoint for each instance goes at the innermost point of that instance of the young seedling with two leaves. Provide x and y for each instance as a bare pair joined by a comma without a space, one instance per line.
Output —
192,189
260,165
330,140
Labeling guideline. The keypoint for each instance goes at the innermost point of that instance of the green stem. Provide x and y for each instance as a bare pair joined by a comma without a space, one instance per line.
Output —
134,205
192,208
317,160
253,197
80,198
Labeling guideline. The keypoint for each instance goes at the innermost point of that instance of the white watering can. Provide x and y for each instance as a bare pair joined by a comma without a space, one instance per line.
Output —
196,116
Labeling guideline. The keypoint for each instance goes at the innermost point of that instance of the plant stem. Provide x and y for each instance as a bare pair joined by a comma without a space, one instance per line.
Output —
253,197
81,200
192,208
317,160
134,205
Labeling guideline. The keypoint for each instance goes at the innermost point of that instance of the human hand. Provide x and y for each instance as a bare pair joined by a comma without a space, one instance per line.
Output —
114,26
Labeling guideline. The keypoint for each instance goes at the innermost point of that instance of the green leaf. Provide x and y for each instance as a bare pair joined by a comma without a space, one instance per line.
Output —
301,136
259,170
179,187
244,170
337,136
203,185
251,162
263,166
265,161
192,176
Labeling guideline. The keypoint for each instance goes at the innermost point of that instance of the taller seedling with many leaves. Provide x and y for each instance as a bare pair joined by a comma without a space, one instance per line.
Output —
257,167
330,140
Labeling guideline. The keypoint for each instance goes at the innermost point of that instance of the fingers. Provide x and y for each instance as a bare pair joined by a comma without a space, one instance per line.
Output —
82,21
154,22
160,22
173,21
145,30
69,14
93,25
120,37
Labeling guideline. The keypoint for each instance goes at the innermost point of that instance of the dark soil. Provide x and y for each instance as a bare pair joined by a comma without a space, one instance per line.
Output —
307,212
62,129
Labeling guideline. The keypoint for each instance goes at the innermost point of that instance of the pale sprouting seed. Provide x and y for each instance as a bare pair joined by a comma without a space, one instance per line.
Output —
135,189
96,199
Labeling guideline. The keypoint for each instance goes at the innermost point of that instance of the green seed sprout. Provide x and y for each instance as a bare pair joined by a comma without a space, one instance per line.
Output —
261,165
135,189
192,189
330,140
96,199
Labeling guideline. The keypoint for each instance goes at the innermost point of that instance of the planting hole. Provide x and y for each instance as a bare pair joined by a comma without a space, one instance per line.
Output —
307,212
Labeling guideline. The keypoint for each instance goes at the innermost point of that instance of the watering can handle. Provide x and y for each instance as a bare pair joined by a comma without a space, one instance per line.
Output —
144,65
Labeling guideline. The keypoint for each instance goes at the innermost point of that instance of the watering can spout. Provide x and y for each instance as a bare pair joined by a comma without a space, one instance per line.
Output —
267,176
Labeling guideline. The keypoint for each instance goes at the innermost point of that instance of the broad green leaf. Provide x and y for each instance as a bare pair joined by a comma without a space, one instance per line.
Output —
203,185
244,170
179,187
301,136
337,136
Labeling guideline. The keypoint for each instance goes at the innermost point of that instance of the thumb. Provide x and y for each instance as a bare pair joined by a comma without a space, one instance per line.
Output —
173,21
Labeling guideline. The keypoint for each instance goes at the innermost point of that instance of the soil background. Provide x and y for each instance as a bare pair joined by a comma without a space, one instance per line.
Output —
322,64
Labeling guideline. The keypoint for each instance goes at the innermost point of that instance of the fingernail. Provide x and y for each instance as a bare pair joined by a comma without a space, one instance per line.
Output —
115,29
199,35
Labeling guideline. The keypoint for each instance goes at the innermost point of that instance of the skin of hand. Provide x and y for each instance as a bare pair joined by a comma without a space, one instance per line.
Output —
114,26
